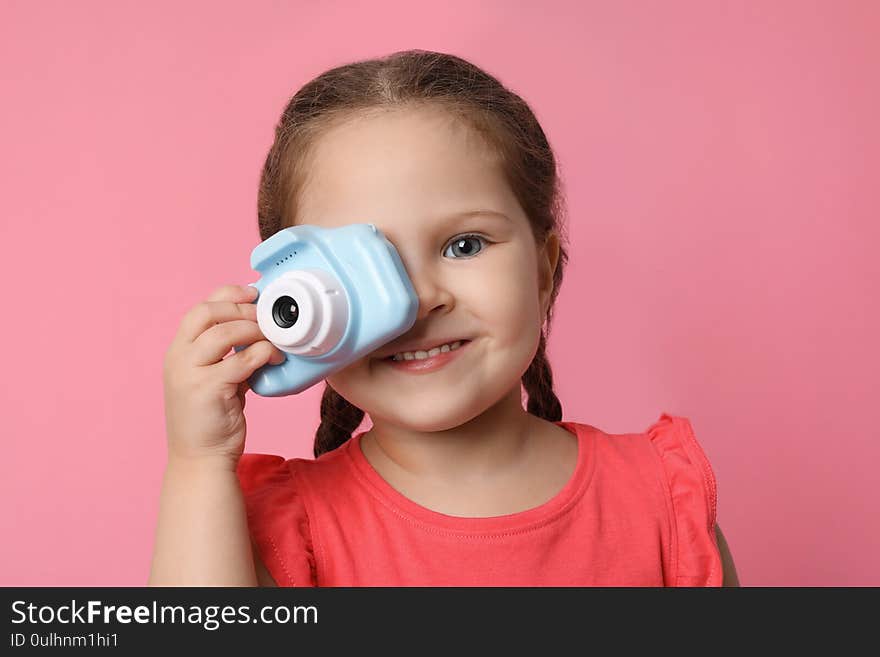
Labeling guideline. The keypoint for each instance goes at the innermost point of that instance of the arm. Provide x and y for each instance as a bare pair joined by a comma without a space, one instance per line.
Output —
730,576
202,535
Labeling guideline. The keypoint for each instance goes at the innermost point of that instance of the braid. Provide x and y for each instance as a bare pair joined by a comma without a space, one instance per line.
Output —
339,418
538,382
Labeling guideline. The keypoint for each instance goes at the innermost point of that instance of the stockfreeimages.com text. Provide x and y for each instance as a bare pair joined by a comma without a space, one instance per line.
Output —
210,617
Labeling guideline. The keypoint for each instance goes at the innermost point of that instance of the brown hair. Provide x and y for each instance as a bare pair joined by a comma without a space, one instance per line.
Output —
412,78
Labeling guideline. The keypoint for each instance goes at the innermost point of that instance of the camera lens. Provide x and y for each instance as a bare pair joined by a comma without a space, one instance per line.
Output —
304,312
285,312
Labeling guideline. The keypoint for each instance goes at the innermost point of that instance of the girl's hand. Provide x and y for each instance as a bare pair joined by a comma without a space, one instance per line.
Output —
205,392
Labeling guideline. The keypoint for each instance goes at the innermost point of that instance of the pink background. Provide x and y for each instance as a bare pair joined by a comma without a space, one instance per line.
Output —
721,162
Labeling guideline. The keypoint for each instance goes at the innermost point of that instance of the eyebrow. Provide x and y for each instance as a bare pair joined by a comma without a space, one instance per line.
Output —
477,213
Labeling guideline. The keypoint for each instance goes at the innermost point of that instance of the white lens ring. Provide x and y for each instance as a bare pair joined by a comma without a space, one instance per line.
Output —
323,312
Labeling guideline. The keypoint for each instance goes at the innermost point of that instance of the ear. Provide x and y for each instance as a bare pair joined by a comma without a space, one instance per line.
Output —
548,257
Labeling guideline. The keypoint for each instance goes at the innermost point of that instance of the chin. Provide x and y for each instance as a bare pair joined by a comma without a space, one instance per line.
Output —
427,425
431,417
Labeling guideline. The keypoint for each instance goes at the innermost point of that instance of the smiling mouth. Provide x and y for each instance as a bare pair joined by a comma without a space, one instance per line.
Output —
462,342
428,365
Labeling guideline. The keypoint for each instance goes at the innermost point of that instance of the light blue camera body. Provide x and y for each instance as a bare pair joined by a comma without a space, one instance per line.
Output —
327,297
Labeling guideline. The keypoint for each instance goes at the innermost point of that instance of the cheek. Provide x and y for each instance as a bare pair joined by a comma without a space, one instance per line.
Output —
342,379
511,297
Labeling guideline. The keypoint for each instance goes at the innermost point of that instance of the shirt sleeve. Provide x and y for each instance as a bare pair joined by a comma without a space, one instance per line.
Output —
277,518
691,486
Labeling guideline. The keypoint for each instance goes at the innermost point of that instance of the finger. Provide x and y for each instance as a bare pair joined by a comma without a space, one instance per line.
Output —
239,367
235,293
217,341
208,313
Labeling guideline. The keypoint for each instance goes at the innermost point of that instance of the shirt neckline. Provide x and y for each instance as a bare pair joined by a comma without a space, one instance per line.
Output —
519,521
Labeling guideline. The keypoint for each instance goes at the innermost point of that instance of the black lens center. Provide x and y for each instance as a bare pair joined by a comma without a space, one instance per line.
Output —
285,312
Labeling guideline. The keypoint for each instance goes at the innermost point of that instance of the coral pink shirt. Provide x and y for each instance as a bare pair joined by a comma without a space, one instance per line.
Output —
639,510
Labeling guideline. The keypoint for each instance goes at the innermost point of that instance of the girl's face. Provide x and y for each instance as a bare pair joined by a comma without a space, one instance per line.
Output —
414,174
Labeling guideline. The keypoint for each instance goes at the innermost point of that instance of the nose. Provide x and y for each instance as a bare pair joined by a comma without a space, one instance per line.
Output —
434,297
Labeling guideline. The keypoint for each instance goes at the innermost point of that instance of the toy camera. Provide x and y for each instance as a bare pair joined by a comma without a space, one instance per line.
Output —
327,297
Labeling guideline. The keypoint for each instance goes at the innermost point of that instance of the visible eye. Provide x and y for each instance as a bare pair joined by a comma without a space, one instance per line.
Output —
464,243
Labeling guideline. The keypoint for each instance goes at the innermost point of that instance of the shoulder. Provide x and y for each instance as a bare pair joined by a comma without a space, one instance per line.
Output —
702,557
677,443
683,459
270,471
278,520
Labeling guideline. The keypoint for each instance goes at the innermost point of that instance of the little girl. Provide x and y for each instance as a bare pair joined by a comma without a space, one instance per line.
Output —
455,483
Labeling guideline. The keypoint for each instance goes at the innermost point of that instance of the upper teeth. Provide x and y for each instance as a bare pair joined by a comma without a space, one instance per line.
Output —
420,355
